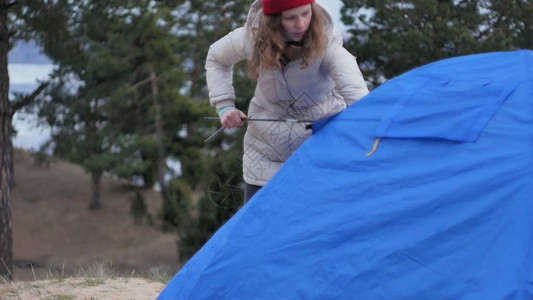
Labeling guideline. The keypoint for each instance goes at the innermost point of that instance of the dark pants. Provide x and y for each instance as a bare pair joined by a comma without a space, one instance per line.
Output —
250,190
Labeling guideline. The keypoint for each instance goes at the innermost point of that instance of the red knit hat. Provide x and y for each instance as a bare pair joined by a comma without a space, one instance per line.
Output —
271,7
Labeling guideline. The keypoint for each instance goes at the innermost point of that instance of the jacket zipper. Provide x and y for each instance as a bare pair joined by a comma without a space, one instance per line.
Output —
287,85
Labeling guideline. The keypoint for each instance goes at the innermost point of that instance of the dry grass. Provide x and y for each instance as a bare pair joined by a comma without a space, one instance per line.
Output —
98,282
56,236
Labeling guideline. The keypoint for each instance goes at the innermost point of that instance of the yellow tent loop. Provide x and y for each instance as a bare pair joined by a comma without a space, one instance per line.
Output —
376,143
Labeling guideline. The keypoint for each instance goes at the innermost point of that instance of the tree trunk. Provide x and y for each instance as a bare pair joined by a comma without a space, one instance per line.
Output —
161,156
6,232
95,187
11,163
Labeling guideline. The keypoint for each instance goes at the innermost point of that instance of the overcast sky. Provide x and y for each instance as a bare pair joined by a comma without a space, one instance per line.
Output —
334,7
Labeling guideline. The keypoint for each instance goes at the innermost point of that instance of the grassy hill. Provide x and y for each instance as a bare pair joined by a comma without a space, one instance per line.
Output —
55,235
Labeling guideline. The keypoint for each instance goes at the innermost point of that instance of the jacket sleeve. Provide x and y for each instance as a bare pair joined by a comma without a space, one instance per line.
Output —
222,55
343,69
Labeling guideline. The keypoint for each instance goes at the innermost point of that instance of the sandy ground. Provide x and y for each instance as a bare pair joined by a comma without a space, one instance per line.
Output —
83,288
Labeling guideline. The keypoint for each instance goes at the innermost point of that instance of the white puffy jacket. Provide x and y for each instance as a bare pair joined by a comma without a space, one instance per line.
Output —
326,86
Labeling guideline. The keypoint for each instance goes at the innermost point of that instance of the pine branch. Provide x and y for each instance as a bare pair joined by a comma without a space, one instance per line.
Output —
9,5
29,99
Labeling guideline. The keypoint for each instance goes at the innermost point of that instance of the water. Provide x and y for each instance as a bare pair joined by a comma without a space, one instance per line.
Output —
24,79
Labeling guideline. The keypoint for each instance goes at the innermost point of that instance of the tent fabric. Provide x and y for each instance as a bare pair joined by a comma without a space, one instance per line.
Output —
457,110
442,210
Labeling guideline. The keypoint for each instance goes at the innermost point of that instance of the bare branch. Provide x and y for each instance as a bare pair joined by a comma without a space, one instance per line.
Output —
142,82
20,104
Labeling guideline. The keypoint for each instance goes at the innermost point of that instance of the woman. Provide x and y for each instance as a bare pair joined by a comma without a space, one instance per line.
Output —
302,71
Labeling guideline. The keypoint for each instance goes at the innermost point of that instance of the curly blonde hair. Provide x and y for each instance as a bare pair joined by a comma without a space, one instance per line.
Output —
269,44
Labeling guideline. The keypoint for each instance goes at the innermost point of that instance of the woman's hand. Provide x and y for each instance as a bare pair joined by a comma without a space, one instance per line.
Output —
232,118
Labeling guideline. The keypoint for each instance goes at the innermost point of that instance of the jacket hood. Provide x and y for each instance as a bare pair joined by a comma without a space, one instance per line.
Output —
256,11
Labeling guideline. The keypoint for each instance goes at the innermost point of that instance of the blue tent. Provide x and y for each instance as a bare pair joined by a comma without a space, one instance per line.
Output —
443,209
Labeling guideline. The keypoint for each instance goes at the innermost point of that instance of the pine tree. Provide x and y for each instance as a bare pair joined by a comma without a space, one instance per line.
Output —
20,19
6,235
196,25
124,76
391,37
75,106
